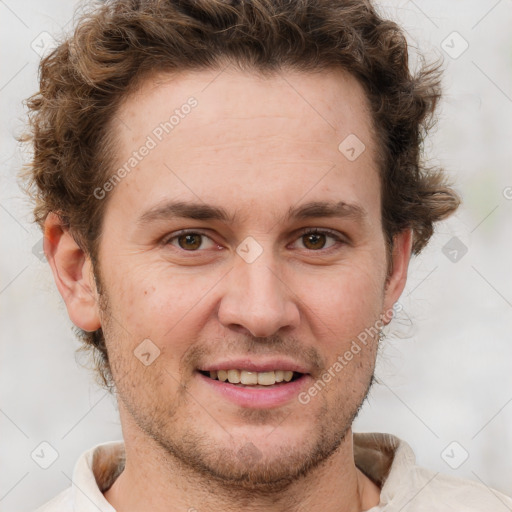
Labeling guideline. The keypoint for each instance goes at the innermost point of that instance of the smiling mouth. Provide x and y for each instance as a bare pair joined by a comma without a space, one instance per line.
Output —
245,378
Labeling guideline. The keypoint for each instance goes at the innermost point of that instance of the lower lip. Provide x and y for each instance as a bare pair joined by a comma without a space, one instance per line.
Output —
258,398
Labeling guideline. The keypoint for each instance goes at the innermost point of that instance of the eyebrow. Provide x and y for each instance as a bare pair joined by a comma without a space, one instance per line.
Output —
203,211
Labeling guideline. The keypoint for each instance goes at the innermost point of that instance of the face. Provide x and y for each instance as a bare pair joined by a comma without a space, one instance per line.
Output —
207,265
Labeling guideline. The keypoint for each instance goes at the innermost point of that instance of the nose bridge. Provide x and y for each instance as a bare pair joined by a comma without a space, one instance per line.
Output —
256,298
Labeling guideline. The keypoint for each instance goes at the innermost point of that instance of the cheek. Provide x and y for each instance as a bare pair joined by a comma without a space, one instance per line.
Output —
143,318
159,304
344,305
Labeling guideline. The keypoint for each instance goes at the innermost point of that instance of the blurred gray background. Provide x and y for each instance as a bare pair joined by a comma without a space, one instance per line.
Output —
445,370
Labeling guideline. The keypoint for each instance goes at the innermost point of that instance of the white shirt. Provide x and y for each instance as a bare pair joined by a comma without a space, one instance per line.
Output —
387,460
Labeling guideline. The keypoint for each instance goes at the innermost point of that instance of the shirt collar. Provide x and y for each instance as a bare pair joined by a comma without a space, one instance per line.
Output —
384,458
94,473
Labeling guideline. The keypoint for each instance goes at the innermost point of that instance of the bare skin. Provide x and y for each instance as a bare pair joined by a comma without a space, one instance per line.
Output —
255,147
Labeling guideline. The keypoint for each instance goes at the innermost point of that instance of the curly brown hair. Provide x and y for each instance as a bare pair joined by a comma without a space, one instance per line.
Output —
115,46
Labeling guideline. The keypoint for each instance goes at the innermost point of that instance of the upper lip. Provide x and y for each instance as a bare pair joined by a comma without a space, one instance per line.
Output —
252,365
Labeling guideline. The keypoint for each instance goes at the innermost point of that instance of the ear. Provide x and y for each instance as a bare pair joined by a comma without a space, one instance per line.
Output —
72,271
395,283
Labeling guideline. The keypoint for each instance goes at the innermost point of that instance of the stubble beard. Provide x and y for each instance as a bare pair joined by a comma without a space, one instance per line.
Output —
241,468
238,470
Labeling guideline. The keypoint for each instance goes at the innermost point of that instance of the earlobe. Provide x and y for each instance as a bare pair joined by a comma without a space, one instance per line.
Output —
72,272
395,284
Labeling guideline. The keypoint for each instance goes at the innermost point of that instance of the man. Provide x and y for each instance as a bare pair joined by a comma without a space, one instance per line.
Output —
230,193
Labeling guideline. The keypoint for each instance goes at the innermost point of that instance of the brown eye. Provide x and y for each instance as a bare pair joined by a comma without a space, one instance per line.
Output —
190,241
314,241
317,239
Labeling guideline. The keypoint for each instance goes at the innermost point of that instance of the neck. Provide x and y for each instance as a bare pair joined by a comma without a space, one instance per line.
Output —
154,480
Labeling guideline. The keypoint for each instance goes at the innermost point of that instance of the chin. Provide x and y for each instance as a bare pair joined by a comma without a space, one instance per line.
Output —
254,458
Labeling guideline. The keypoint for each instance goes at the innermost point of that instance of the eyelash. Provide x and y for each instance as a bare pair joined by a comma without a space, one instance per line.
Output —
306,231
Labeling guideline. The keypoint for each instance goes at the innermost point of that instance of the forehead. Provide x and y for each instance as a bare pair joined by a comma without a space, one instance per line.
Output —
218,135
326,102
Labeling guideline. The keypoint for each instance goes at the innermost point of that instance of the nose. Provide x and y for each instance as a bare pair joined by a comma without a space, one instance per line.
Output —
257,299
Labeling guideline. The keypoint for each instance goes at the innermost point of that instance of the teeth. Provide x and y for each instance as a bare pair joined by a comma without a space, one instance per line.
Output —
252,378
266,378
248,377
234,376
